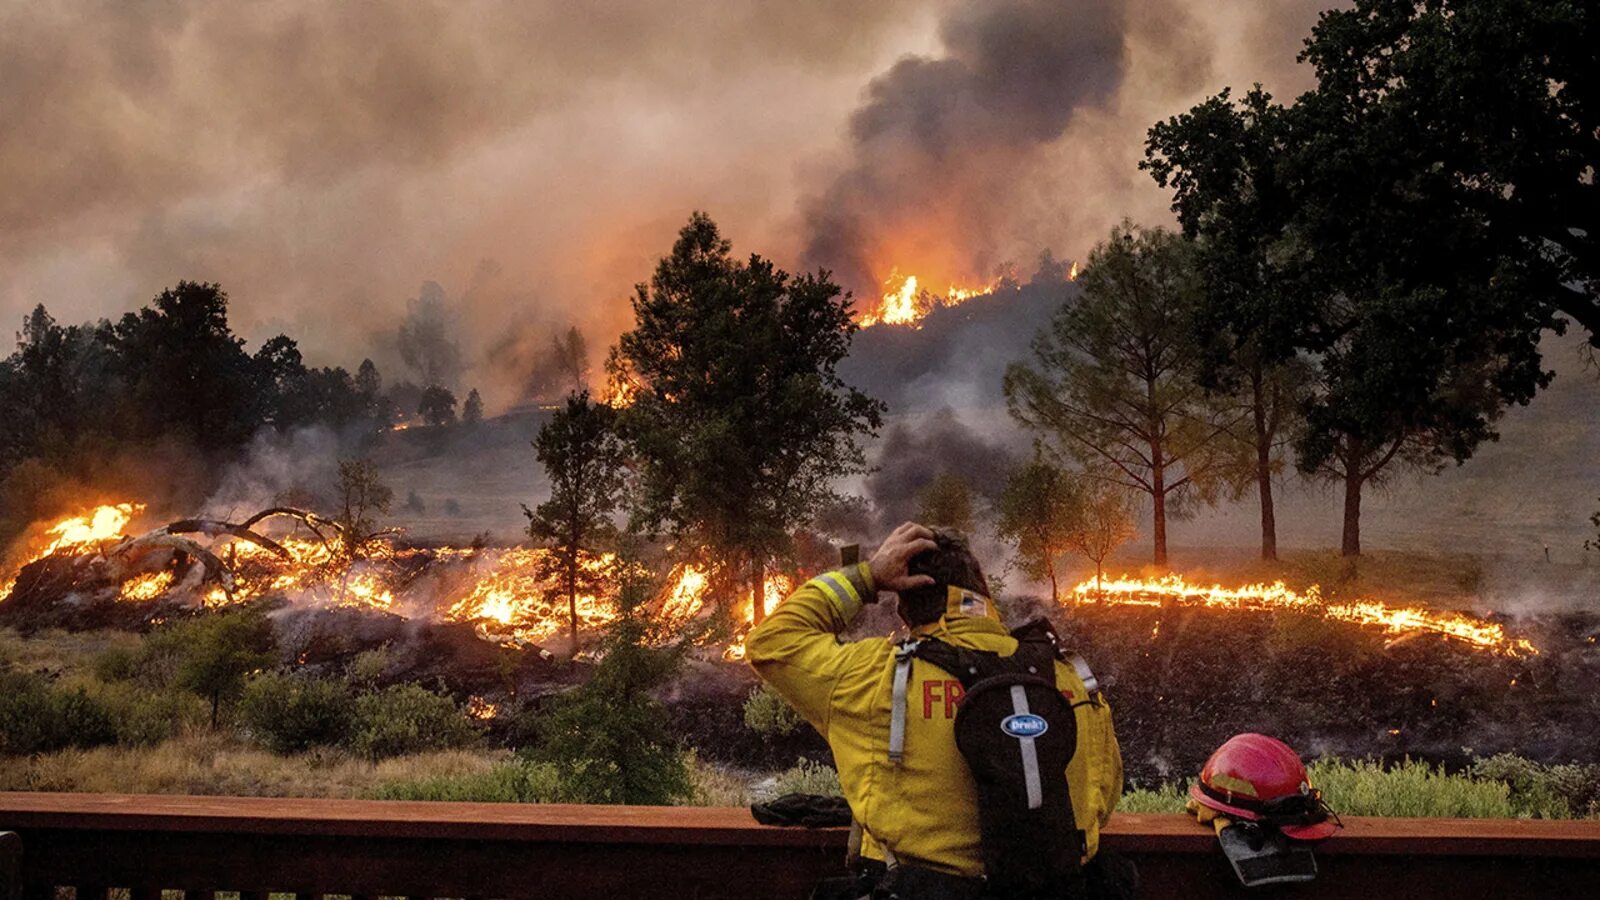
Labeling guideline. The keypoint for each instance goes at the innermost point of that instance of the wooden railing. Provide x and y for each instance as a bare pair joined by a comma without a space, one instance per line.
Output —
145,845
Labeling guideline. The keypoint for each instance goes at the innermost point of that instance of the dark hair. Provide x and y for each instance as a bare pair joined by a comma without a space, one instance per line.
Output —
952,563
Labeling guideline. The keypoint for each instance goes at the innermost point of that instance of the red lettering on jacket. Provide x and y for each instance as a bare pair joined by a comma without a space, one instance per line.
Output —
952,696
947,692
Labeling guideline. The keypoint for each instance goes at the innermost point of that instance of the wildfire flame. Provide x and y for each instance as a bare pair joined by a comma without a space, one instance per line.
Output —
77,534
906,302
145,588
103,524
1400,621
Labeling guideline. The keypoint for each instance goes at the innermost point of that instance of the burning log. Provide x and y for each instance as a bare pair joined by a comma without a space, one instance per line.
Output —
124,560
211,528
313,522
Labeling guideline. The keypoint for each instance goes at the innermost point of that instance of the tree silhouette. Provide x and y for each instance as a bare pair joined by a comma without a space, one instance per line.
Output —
739,422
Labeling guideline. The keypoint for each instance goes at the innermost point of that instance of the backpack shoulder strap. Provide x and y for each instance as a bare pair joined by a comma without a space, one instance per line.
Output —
1038,637
903,654
967,665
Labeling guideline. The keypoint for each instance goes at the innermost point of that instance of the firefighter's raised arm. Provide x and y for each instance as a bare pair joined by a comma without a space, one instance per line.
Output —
797,649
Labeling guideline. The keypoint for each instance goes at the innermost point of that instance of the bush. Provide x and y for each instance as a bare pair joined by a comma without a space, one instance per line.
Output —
809,777
289,714
1504,786
141,717
212,655
38,717
120,663
611,736
517,781
407,718
368,667
767,714
1544,791
1408,788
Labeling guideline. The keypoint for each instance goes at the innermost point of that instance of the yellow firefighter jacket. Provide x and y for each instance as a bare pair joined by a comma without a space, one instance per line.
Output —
925,806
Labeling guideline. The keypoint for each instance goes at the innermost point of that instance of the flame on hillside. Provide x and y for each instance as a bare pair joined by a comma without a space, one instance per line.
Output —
908,299
1402,622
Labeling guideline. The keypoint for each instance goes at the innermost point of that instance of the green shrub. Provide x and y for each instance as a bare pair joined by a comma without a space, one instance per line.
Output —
211,655
1544,791
367,667
407,718
1408,788
289,714
118,663
767,714
610,736
142,717
809,777
38,717
517,781
1503,786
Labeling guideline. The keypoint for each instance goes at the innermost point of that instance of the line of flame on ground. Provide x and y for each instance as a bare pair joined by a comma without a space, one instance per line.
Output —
505,593
1276,597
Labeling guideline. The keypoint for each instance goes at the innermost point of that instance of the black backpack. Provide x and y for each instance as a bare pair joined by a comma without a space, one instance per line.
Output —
1017,733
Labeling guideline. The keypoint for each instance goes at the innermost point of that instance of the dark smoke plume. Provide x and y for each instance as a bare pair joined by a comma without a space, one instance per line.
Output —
1013,75
916,452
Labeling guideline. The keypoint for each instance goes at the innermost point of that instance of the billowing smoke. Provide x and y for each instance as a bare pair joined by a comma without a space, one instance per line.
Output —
544,364
427,340
322,160
534,159
1024,133
299,468
916,451
935,131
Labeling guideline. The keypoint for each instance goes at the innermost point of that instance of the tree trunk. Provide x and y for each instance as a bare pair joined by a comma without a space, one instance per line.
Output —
1352,511
758,592
1055,591
1269,519
216,706
572,605
1158,497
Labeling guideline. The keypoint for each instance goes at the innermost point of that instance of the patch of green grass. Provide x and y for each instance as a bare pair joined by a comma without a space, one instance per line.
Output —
1166,798
513,781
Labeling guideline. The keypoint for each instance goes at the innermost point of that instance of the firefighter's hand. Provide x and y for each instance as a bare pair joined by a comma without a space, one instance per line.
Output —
888,565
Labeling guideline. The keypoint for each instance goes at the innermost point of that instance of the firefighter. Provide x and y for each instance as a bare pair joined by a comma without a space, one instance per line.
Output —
908,785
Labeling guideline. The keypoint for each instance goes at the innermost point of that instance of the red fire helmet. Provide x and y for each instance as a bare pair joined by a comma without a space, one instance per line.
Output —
1261,779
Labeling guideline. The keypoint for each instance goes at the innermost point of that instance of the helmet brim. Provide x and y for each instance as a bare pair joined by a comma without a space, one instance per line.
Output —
1316,832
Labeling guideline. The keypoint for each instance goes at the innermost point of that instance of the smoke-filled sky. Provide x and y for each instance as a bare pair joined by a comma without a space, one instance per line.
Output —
323,160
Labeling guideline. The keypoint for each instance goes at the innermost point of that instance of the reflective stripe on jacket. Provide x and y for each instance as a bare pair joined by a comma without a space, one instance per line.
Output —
925,806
